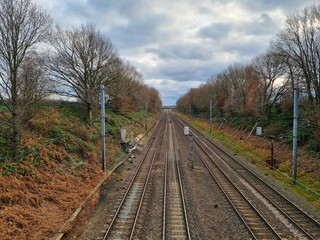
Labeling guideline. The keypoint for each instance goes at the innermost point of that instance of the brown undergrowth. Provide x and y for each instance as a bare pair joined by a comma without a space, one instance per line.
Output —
34,205
59,167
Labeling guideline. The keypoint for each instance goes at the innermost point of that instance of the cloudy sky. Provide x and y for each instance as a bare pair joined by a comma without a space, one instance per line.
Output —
179,44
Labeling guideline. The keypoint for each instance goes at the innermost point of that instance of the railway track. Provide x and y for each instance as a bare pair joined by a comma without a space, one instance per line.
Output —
124,221
255,222
175,220
128,213
246,193
219,162
250,216
301,220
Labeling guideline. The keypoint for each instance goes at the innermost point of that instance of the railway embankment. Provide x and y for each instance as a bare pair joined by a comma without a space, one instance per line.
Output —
60,163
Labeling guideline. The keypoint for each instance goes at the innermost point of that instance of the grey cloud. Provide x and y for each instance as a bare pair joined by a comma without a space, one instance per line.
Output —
266,5
245,50
262,25
186,71
128,8
138,33
171,100
185,51
78,9
216,31
156,32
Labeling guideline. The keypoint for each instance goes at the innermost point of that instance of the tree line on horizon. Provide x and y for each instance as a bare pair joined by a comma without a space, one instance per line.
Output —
264,87
40,62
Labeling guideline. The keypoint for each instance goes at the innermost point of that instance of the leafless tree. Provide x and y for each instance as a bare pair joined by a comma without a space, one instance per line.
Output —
22,26
33,84
129,92
219,91
155,102
122,91
81,62
269,69
300,43
231,89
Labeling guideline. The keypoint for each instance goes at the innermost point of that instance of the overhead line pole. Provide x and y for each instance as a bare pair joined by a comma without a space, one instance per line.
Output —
295,130
210,114
103,127
146,110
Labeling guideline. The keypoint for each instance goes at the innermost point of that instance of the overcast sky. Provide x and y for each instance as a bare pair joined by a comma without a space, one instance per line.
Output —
179,44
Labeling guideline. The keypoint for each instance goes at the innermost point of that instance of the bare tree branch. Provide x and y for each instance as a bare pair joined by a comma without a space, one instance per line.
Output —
81,62
22,26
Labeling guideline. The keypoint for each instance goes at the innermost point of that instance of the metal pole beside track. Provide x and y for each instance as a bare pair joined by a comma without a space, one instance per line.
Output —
295,130
146,109
103,127
210,114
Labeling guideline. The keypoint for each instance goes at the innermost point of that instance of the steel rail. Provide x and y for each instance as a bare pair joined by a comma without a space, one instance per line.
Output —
238,190
292,212
145,187
274,197
154,141
177,159
264,221
165,189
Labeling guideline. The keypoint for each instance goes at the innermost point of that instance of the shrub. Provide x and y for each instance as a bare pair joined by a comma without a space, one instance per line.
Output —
73,144
313,145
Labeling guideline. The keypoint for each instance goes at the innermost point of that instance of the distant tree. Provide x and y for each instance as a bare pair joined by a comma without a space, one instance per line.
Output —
230,89
22,26
270,69
155,102
201,98
34,83
219,92
82,60
234,90
183,103
123,90
252,86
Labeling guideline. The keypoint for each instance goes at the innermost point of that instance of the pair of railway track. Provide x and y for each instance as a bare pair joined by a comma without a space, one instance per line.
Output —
174,221
245,191
239,183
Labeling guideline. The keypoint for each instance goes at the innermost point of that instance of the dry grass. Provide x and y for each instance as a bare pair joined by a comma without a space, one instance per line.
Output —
34,207
35,203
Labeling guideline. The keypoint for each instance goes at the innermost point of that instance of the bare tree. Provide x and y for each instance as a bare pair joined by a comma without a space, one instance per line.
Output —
269,69
219,92
33,84
22,26
81,62
124,88
232,91
231,87
300,42
155,102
